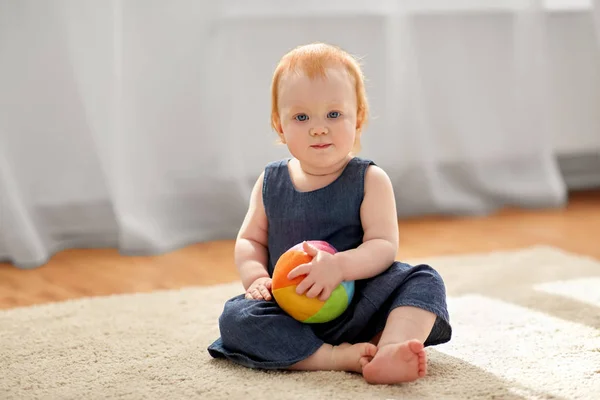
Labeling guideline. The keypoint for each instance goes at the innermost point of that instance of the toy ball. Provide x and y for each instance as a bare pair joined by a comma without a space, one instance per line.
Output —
299,306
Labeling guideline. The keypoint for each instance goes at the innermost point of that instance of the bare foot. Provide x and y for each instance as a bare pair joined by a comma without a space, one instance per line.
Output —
352,357
396,363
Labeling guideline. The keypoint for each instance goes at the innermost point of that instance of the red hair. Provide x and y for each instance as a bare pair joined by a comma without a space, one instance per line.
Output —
313,59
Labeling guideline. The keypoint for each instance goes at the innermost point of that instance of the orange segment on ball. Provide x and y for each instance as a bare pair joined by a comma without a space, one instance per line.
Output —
287,262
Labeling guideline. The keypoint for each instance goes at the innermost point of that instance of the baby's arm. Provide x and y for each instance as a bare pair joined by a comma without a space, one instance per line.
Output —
380,224
251,244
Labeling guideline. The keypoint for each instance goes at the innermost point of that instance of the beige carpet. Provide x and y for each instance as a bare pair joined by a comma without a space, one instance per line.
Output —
526,326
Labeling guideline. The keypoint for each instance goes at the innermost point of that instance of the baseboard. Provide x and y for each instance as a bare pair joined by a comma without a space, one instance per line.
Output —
580,171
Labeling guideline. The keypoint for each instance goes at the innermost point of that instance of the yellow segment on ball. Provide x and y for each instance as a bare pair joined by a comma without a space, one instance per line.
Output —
298,306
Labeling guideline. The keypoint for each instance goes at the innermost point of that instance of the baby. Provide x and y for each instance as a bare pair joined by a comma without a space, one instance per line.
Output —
325,192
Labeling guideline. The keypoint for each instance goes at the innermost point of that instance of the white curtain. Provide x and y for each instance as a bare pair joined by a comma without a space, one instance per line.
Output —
143,124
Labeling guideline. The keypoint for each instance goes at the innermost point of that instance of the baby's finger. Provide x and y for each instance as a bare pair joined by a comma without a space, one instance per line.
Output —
304,285
251,294
256,294
309,249
265,293
302,269
325,294
314,291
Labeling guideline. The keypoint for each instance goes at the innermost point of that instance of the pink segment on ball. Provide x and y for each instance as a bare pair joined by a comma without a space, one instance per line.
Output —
319,244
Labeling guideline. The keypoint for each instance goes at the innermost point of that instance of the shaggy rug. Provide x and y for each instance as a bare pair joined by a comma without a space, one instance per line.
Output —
526,326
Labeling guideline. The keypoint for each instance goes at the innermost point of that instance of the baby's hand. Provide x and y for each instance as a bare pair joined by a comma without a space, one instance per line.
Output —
323,274
260,289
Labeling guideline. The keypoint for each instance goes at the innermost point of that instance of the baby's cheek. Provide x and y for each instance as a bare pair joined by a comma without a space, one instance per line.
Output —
350,126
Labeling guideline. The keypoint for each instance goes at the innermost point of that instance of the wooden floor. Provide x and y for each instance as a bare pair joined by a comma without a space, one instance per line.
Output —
76,273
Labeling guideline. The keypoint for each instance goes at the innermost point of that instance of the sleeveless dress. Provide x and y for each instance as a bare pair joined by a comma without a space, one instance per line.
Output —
259,334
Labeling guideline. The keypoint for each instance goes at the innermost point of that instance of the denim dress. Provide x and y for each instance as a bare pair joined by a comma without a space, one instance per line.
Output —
259,334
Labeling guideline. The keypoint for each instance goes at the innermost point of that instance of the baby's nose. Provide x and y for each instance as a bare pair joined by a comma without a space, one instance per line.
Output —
319,130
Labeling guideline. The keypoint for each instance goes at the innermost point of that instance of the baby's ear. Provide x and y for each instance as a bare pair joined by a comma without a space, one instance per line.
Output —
359,126
361,118
280,133
276,125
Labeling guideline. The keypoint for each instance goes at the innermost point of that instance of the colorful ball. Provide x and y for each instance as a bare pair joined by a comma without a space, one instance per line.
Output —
299,306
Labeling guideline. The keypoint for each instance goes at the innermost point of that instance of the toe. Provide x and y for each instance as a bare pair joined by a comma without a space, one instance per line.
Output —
415,346
370,350
364,361
422,363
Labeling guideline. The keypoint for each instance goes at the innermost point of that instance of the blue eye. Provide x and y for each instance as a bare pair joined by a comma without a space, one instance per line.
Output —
301,117
333,114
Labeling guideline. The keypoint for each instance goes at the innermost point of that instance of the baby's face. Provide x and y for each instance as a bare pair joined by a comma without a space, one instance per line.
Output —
318,116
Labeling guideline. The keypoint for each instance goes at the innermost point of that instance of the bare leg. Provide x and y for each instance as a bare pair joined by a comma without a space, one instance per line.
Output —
345,357
400,354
